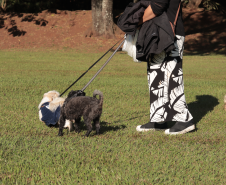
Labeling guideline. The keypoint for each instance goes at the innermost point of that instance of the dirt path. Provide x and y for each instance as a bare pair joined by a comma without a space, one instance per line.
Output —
206,32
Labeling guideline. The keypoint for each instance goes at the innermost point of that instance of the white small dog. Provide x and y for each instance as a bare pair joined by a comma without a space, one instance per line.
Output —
49,109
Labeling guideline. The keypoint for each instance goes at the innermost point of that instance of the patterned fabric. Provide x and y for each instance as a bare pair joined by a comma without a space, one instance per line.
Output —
166,86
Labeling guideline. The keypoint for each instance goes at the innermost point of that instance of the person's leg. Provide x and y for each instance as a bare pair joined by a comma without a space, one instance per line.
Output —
155,77
166,87
178,104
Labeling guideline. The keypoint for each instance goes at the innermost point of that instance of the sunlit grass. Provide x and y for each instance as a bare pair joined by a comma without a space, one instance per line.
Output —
31,153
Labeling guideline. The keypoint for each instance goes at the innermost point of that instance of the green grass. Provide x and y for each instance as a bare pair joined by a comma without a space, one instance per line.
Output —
31,153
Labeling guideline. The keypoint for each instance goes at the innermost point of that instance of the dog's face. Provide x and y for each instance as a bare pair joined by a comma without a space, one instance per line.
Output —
51,95
48,97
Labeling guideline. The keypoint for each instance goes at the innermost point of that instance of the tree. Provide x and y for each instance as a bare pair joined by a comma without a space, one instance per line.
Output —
194,3
206,4
3,5
102,19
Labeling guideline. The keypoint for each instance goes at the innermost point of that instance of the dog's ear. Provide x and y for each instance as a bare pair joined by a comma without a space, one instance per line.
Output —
71,93
54,94
76,93
48,95
81,93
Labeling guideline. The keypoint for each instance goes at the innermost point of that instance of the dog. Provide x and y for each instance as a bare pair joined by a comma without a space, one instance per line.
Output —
49,110
225,102
75,107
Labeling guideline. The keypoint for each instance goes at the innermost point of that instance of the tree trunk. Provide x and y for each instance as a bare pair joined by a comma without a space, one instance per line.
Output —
194,4
107,13
3,5
102,19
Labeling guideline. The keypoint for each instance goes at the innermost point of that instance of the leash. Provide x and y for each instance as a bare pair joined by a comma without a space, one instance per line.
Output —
102,66
94,65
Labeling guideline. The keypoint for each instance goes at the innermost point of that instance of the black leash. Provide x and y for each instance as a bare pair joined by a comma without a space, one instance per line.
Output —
94,65
102,66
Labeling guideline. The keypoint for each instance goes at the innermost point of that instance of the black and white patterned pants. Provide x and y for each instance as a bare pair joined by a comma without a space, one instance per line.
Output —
166,86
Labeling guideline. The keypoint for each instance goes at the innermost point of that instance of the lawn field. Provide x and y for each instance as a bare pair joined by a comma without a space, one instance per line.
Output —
32,153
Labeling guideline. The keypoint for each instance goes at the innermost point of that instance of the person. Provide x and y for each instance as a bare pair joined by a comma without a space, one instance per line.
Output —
165,77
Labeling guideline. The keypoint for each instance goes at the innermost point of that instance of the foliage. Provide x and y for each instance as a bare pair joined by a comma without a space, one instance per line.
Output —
207,4
210,5
31,153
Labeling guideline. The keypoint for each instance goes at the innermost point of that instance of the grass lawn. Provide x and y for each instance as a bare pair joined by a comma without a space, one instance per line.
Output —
32,153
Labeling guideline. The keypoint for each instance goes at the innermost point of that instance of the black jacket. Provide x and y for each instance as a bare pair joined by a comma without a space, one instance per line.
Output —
155,35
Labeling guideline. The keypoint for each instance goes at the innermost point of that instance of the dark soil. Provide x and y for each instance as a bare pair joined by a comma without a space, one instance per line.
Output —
205,31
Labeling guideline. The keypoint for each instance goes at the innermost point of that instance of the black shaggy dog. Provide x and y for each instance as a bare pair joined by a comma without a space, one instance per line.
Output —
77,106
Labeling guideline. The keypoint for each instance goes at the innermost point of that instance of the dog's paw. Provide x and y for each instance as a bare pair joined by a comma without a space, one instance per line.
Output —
77,131
60,134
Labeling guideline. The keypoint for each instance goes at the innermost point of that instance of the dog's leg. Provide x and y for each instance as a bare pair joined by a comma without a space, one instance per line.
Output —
88,126
97,125
61,126
76,125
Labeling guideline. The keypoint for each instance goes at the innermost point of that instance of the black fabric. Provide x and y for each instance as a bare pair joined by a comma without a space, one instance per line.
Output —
128,21
179,126
155,35
170,7
147,43
171,13
154,125
159,6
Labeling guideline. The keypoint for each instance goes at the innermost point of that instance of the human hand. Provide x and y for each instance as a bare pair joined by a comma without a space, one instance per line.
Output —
148,14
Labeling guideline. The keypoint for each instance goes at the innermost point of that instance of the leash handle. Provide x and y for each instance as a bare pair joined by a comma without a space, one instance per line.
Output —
89,69
102,66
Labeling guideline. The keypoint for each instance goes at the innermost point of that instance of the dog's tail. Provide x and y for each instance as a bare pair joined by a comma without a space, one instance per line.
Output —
101,97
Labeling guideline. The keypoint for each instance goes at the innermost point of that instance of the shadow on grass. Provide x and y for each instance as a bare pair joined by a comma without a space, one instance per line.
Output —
203,53
202,105
104,127
129,119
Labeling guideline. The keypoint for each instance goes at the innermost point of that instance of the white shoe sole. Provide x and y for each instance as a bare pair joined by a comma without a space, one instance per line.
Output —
181,132
146,129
